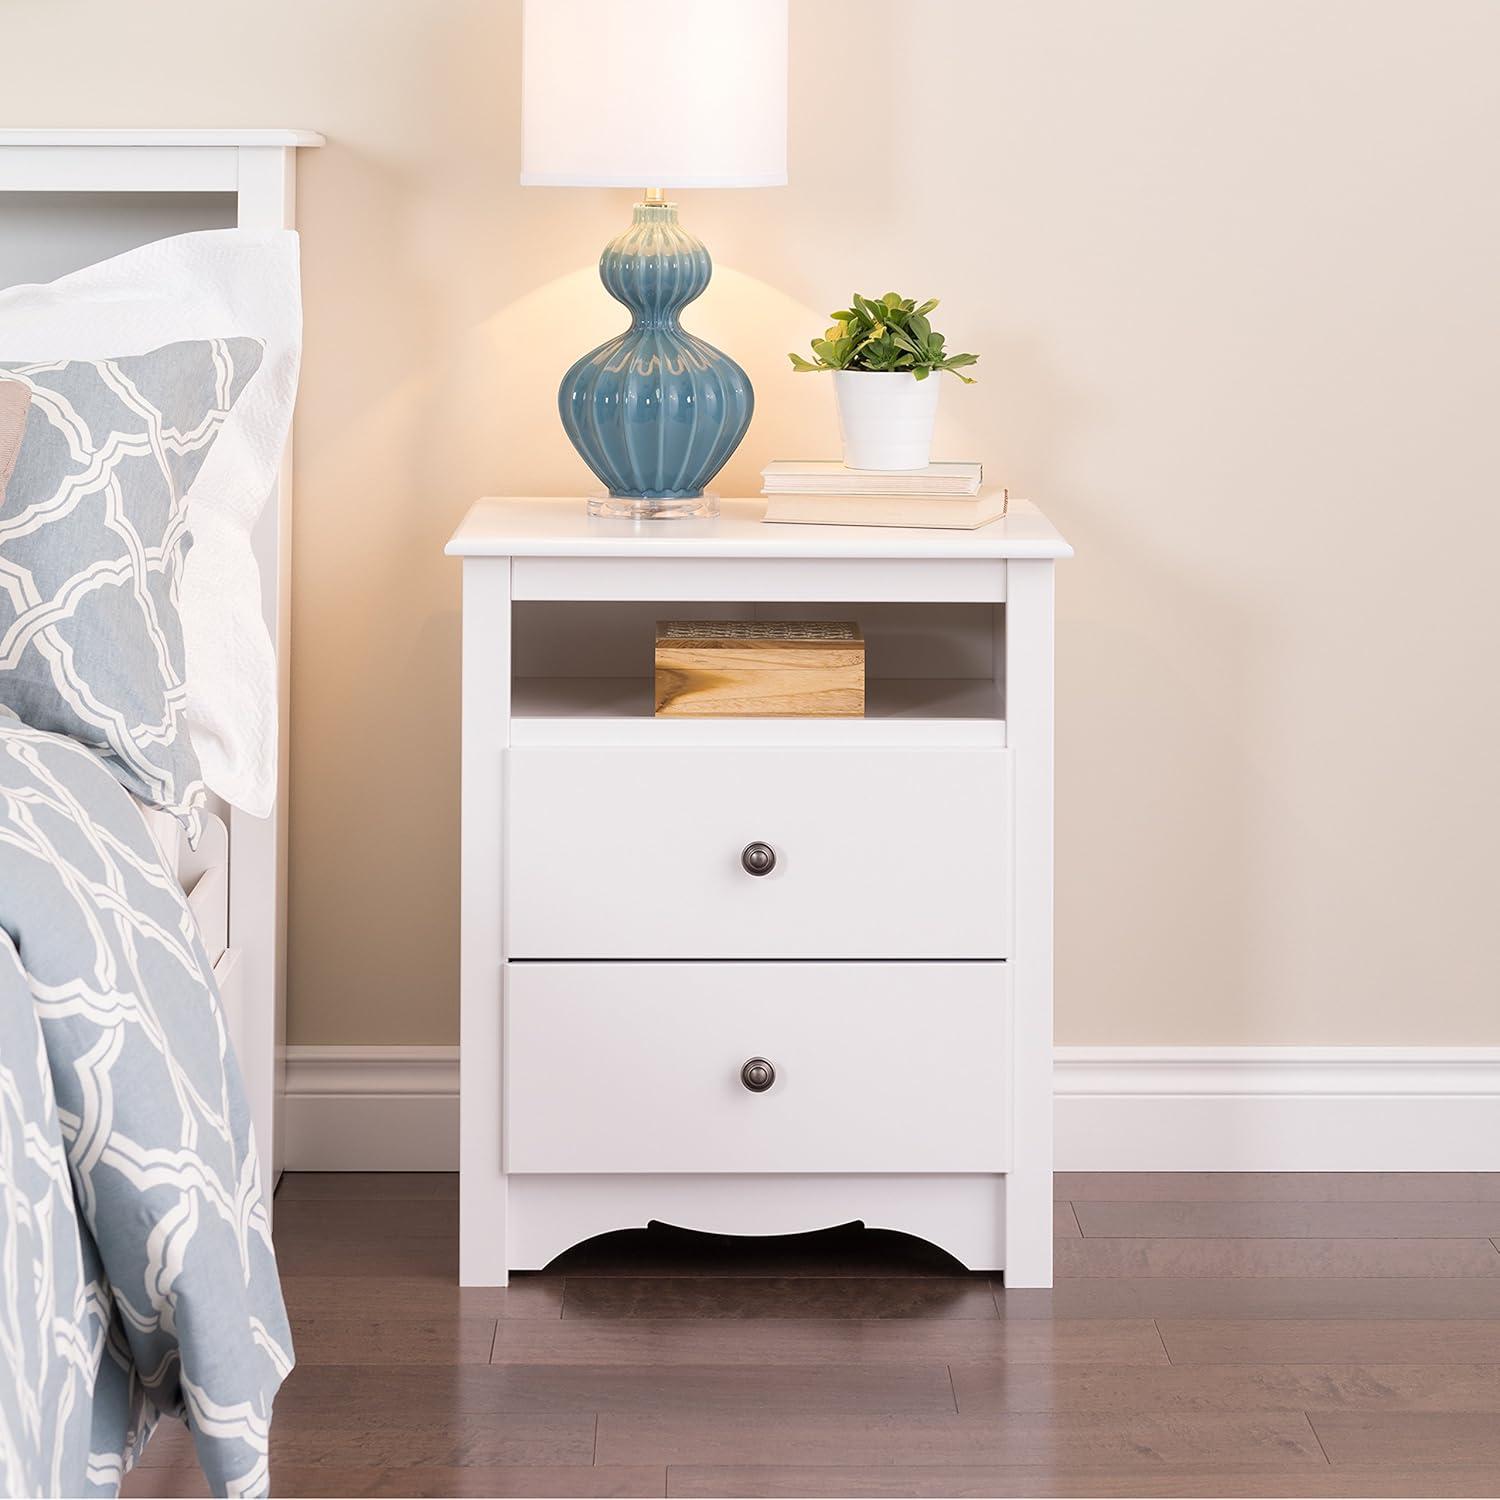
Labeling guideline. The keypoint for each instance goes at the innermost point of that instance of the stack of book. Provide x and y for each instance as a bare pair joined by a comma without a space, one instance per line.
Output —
822,492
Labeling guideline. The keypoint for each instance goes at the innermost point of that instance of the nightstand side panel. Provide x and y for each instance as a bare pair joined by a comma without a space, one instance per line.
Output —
486,734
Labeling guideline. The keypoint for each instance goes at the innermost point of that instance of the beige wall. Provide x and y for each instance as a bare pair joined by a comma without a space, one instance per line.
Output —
1232,267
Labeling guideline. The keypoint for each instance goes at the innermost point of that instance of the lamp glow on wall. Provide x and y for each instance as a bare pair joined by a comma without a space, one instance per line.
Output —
657,95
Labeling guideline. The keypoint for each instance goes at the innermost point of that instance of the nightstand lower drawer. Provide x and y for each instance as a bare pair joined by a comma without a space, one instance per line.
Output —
756,1067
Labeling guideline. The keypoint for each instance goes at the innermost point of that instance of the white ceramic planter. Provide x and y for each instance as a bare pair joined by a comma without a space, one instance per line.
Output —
886,420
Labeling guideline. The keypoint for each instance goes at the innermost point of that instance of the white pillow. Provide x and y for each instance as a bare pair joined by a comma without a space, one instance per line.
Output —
217,284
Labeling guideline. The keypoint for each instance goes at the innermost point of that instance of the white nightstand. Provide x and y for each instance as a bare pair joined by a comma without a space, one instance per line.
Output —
622,965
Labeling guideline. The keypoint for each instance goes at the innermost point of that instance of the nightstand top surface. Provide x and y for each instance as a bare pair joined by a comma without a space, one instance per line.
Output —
554,526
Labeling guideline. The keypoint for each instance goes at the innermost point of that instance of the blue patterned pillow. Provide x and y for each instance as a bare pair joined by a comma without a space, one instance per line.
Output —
93,533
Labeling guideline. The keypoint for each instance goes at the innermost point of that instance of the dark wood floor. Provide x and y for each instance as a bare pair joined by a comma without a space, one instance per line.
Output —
1209,1335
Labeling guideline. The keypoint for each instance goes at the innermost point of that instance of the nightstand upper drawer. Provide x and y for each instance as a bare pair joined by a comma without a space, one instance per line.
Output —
758,853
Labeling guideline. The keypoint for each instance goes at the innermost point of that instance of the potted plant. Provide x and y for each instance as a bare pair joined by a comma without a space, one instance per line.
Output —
881,351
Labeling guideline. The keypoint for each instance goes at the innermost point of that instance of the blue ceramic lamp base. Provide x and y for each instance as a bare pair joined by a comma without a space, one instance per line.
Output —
655,413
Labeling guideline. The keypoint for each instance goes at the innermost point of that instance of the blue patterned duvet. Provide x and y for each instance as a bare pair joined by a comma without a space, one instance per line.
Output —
136,1272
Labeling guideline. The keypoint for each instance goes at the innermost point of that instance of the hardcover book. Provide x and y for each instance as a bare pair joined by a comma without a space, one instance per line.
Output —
790,476
888,510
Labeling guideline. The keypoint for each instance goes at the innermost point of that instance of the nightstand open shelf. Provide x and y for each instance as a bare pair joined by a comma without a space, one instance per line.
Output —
755,975
934,669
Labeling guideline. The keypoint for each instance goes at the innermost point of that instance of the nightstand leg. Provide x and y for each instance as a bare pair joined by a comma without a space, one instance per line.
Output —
1028,1228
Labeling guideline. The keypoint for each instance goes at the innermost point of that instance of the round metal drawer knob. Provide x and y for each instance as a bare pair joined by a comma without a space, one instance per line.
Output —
757,1075
758,859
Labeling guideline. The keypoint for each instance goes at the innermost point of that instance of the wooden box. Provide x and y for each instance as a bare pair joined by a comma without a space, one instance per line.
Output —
759,669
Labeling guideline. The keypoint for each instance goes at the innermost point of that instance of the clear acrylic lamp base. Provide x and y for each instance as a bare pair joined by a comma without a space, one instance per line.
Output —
637,508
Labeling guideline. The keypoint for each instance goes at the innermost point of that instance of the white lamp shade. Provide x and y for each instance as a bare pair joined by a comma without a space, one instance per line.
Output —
654,93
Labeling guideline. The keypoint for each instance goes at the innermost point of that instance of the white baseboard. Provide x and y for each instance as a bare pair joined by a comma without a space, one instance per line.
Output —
371,1109
1119,1109
1277,1109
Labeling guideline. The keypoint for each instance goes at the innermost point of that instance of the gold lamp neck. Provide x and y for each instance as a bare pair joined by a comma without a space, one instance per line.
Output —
655,195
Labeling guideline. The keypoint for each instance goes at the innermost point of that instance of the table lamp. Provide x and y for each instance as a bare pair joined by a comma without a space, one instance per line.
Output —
657,95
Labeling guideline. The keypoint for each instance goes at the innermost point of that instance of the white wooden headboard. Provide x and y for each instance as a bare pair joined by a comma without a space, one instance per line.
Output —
69,198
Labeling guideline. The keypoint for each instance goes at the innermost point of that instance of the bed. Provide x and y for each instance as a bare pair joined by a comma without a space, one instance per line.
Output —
72,197
95,887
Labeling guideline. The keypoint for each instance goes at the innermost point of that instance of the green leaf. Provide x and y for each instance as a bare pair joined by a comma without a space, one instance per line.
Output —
953,363
800,364
923,373
928,306
919,326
